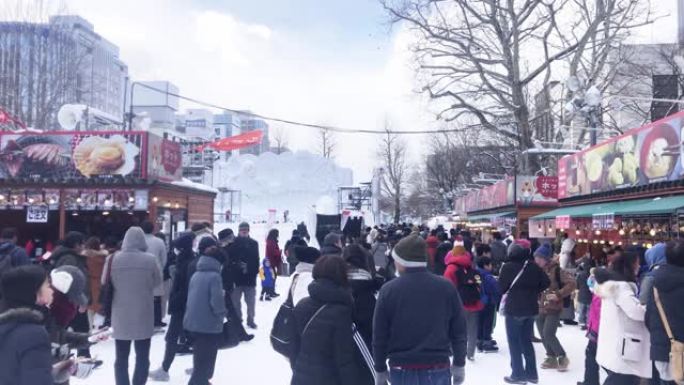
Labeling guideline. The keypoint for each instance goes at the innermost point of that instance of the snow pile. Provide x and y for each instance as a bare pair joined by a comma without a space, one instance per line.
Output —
289,181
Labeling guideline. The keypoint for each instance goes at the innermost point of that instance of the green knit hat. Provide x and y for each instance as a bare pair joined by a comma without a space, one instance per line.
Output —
411,252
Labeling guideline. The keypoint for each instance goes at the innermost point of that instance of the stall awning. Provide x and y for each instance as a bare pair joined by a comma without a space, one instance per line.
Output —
651,206
490,217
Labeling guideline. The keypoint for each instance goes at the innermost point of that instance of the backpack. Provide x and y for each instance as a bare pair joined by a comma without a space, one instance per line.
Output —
284,336
469,285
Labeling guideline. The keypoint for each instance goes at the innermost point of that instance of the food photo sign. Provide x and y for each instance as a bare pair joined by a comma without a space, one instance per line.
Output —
649,154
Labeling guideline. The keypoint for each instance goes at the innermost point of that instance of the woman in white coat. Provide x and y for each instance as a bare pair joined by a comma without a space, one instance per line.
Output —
624,342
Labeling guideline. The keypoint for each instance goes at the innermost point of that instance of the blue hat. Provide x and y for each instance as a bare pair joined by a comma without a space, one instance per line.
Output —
544,251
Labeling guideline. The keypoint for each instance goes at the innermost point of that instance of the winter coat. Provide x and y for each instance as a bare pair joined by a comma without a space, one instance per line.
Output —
57,319
327,353
655,258
246,252
490,288
364,288
622,324
567,247
522,298
562,284
229,270
419,320
95,260
440,257
206,307
669,280
157,247
432,243
135,274
301,280
379,253
462,262
498,252
17,254
594,319
331,250
274,255
267,275
178,296
584,295
64,256
24,348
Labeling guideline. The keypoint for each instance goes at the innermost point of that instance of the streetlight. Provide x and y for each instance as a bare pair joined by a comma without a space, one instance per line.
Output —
587,102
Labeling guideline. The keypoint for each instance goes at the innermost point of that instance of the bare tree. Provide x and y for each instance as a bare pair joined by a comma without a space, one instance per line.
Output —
392,154
479,60
279,139
327,143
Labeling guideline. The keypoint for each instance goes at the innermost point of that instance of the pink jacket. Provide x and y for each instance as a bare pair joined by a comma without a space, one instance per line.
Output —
594,318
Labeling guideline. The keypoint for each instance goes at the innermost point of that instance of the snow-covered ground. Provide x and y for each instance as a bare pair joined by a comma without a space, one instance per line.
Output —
255,362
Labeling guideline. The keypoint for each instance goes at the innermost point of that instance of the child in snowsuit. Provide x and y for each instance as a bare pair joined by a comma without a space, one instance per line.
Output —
490,300
267,277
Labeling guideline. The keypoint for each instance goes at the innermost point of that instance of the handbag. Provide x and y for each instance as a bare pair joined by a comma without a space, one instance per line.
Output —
107,291
284,338
504,297
676,347
365,353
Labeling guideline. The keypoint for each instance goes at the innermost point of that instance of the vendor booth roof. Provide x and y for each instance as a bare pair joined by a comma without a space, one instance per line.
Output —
490,217
639,207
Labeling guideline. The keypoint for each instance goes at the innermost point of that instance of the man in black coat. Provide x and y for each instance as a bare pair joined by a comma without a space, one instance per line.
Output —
498,252
234,332
443,249
669,282
332,245
419,322
245,251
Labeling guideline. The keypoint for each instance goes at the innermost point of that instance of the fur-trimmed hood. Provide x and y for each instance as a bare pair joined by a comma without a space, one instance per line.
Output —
11,318
611,289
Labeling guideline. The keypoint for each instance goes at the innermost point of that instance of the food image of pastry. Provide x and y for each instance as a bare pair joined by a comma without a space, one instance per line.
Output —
658,162
96,155
630,165
615,177
625,145
594,166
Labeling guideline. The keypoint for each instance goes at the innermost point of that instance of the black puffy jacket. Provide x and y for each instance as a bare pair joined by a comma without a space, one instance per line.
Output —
669,280
24,348
179,290
442,250
364,288
245,252
522,297
327,353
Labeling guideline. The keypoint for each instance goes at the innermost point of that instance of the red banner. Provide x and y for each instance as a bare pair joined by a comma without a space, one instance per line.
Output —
237,142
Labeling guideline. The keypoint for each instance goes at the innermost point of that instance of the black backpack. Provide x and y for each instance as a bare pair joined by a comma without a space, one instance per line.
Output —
469,285
284,335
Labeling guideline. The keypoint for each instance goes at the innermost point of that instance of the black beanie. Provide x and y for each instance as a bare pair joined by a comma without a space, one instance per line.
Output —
306,254
19,286
206,243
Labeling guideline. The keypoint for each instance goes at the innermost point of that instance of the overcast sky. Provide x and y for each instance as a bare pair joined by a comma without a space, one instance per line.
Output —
336,62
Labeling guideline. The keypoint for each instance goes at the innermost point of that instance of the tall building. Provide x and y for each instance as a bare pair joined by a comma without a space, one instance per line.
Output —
250,123
46,65
153,100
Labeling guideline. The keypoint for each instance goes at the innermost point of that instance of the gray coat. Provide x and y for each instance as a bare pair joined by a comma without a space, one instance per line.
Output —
157,247
205,309
134,276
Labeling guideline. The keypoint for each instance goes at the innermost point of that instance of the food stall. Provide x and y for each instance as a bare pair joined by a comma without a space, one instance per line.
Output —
508,204
628,190
97,182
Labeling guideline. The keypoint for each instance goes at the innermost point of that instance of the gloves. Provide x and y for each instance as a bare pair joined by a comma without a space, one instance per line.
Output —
457,375
381,378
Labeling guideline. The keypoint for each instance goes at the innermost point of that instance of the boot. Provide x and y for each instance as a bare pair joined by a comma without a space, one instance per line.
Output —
159,375
550,363
563,364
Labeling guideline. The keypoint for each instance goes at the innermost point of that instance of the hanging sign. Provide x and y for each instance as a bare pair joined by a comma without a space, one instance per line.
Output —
563,222
604,221
37,214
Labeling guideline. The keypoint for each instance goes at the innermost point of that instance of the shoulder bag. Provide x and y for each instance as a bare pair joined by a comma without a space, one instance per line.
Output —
504,297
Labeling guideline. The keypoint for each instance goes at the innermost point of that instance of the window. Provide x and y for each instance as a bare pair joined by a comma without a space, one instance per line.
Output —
664,87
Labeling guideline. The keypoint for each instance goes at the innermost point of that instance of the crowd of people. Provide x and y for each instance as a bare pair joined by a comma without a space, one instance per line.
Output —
399,304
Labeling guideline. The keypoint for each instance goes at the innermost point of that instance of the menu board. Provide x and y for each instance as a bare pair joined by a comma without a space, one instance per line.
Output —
644,155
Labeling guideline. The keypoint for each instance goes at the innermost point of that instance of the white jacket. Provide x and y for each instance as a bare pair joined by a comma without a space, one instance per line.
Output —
565,253
624,343
301,280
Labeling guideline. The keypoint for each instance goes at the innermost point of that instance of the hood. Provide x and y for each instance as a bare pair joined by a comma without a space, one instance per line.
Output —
208,264
134,240
184,240
61,251
669,278
610,289
324,290
463,260
11,318
656,255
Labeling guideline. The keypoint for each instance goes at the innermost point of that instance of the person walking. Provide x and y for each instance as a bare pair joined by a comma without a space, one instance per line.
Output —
561,286
246,253
177,302
206,310
490,300
419,322
364,288
521,282
95,260
623,342
326,354
443,249
157,248
303,275
24,342
668,283
584,294
468,281
134,275
498,252
273,252
432,242
379,249
655,259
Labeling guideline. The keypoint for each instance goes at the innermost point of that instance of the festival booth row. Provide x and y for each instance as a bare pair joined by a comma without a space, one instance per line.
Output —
508,204
628,190
99,183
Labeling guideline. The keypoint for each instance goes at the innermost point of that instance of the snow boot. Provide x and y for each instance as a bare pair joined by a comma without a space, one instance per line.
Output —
159,375
563,363
513,380
550,363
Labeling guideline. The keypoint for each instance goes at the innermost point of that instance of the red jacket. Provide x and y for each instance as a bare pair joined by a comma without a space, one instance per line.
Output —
463,261
432,243
274,254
